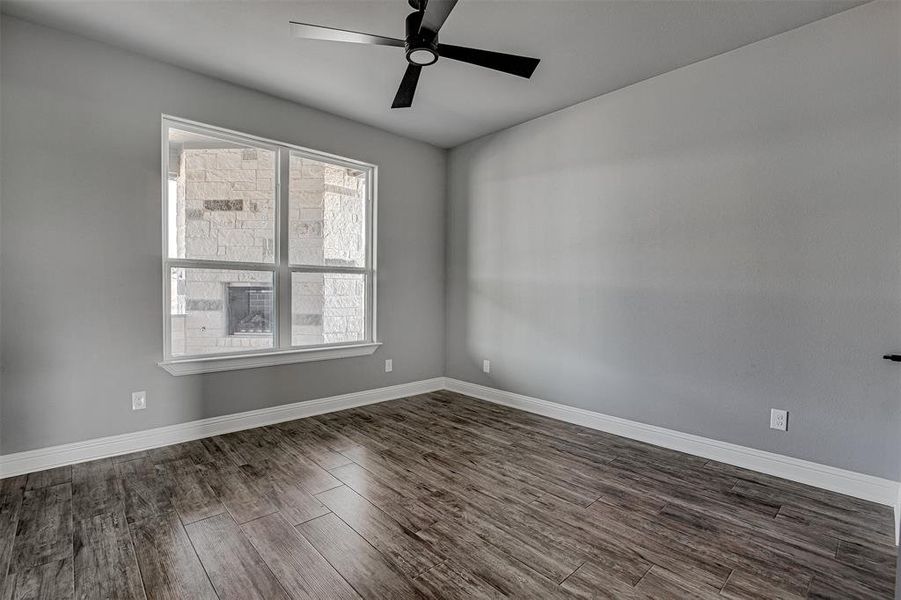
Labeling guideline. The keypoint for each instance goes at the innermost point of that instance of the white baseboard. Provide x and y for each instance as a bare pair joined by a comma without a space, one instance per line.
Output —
67,454
859,485
851,483
898,518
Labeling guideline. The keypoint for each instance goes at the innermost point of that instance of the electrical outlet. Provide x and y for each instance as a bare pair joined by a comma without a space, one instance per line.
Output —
389,365
138,400
778,419
486,365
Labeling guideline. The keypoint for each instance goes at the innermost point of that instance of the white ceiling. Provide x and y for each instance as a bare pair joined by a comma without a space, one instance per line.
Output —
587,48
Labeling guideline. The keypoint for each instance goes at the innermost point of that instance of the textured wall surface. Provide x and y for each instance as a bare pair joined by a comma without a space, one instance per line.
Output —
81,243
225,204
700,247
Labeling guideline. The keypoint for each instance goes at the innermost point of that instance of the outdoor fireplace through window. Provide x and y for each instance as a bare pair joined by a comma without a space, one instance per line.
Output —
249,310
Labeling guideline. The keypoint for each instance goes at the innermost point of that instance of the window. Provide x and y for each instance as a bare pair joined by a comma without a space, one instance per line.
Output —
267,252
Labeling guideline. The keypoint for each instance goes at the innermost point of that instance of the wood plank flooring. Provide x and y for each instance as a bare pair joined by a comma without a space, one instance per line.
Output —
434,496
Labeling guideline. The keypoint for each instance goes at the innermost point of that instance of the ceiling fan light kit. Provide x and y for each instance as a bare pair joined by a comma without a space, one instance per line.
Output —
421,47
421,44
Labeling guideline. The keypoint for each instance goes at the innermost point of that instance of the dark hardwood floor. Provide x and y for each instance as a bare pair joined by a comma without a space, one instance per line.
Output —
435,496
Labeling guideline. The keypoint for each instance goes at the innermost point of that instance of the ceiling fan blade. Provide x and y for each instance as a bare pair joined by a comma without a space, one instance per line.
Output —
318,32
404,97
436,12
523,66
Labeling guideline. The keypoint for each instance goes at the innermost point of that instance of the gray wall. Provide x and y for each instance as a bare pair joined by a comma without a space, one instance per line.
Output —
687,252
81,298
1,210
697,248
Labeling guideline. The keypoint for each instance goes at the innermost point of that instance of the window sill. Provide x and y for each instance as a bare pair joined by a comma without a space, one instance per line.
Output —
213,364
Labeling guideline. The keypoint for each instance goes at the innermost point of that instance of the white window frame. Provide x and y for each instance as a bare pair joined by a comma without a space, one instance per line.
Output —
282,352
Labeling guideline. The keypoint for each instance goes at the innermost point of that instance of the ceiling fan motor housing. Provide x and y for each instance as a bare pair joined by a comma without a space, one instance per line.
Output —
421,45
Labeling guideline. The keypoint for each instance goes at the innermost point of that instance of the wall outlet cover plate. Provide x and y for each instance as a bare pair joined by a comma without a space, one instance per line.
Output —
778,419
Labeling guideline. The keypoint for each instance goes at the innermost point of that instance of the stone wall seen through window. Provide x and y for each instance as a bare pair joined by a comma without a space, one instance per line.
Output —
225,211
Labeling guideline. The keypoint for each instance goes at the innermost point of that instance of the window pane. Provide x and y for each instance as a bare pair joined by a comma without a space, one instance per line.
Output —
327,308
327,214
224,199
214,311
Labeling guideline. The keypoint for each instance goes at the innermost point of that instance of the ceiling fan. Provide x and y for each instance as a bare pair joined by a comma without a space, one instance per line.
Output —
421,46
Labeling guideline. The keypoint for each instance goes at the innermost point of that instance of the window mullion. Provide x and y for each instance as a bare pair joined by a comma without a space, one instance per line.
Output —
283,299
327,269
194,263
